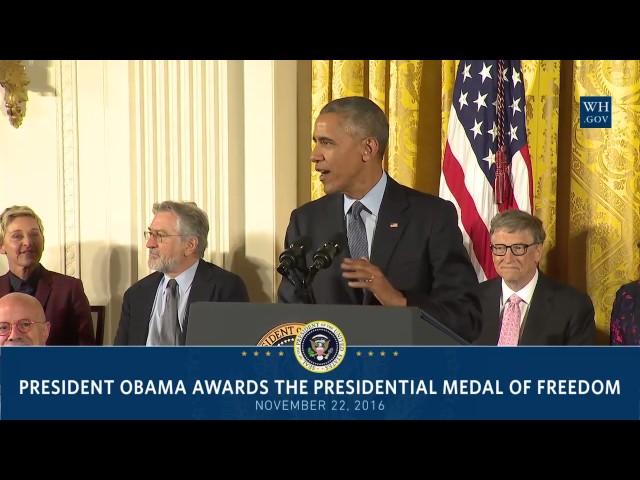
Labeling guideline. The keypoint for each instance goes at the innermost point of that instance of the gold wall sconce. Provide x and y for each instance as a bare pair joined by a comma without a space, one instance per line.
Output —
13,78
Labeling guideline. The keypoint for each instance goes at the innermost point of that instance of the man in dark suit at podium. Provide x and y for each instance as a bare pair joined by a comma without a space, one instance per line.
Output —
155,310
523,306
404,246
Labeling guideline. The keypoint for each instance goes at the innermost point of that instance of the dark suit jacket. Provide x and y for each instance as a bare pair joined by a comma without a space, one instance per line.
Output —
65,305
558,315
210,284
418,246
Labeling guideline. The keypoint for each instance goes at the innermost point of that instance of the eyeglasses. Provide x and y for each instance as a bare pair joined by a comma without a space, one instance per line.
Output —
157,236
517,249
18,237
23,326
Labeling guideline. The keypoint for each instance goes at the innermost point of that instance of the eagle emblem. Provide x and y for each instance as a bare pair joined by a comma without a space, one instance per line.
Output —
320,348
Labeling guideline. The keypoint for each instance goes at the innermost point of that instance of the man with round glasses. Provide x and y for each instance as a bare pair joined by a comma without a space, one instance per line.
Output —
22,321
522,306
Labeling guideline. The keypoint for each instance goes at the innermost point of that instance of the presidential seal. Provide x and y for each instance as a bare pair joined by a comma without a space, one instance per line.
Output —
281,335
320,346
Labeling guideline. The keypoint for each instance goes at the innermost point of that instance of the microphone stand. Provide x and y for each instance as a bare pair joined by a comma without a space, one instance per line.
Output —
301,285
322,258
304,291
298,276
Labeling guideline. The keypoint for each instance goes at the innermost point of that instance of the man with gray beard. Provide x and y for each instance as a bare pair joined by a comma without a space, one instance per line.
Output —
155,309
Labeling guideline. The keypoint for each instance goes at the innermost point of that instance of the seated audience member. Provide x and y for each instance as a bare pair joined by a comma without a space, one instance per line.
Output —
155,310
22,321
65,304
625,315
523,306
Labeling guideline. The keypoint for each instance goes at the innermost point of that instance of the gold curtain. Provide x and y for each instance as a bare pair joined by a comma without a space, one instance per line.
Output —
586,181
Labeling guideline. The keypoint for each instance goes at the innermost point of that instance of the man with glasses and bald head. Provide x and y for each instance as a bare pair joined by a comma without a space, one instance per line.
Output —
22,321
522,306
155,310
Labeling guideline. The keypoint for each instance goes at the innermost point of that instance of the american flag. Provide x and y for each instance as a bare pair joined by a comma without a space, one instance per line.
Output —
473,140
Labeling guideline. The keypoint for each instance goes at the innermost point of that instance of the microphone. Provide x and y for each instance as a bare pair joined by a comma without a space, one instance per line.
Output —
323,257
294,256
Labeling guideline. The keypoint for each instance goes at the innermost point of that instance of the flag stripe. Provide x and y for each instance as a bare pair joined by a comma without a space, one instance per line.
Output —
445,193
468,168
522,179
474,225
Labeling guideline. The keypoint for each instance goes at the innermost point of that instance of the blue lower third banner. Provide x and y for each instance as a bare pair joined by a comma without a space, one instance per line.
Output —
274,383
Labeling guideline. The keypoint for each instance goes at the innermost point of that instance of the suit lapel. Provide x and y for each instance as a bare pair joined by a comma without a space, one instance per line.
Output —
44,287
491,312
202,290
5,285
539,310
145,303
392,221
43,290
336,223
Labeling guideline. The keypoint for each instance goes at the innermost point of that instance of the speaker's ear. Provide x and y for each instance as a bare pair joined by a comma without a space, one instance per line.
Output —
371,147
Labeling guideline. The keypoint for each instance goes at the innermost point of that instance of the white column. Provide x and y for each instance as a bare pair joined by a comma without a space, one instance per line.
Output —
270,169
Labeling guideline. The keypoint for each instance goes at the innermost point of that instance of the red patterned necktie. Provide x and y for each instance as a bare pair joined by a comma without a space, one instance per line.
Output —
510,330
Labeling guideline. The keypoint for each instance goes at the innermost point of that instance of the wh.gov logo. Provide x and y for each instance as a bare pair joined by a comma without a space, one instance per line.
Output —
595,112
320,346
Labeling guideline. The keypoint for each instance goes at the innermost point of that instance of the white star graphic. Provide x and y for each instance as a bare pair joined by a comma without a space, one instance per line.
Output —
515,106
490,158
493,132
486,72
463,99
516,77
465,73
476,128
512,133
480,100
